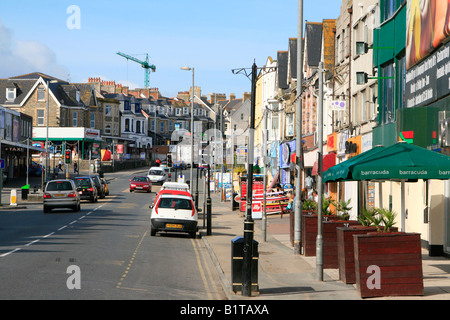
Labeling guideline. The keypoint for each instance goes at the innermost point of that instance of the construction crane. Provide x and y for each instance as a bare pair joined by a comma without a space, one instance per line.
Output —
144,64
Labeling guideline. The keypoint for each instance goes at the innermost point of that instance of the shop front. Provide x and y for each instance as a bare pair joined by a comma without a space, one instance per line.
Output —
17,157
85,143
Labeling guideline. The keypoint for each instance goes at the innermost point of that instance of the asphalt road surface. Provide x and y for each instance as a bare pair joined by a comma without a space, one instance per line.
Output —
105,251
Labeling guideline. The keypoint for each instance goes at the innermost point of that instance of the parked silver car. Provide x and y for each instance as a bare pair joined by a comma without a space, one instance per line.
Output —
61,193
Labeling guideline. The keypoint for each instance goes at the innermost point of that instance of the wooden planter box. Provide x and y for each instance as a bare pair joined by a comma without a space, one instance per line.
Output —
292,222
330,241
309,232
346,252
398,257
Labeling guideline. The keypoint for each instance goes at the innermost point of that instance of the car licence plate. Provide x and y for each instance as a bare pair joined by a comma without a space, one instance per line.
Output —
173,225
59,194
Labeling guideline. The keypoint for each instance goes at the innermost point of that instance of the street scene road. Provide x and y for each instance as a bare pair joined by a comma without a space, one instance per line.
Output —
108,245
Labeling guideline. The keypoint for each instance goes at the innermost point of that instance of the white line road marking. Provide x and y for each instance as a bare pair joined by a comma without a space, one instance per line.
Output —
51,233
30,243
12,251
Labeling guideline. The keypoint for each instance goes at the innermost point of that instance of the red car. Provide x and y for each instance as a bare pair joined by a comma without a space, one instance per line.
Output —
140,183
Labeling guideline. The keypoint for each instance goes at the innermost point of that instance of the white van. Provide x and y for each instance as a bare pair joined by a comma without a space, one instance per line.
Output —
157,175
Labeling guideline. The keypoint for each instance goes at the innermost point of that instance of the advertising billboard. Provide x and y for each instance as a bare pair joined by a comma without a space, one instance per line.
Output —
427,27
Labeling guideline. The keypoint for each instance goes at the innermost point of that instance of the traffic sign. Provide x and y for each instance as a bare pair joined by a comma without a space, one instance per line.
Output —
2,163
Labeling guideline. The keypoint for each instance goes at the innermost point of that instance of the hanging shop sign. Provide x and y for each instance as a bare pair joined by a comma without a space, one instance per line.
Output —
332,142
284,155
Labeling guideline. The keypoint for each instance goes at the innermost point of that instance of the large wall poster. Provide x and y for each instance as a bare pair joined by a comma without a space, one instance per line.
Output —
427,26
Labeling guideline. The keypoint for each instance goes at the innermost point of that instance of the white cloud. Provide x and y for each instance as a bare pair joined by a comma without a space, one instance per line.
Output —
20,57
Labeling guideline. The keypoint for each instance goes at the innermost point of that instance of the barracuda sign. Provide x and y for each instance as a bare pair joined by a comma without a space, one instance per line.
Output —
401,161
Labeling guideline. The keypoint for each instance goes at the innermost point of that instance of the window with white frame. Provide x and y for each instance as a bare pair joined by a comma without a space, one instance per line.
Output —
153,125
108,129
364,106
92,120
75,119
178,112
108,111
185,110
10,94
127,125
41,94
372,104
162,126
290,124
40,117
138,126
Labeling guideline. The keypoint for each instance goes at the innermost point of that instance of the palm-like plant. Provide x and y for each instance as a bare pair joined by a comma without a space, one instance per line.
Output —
366,218
383,219
343,207
309,204
387,218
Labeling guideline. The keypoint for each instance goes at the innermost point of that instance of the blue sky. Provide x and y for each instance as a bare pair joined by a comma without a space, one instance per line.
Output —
213,36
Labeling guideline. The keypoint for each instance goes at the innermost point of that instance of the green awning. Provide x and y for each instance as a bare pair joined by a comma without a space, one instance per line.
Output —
401,161
341,171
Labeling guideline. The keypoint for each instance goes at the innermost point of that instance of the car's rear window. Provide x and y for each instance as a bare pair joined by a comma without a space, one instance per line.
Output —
82,182
59,186
175,203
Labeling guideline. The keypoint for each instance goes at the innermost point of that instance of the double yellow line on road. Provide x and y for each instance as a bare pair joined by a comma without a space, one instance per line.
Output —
203,258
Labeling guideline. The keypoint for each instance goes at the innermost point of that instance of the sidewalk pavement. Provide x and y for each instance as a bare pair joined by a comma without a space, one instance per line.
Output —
283,275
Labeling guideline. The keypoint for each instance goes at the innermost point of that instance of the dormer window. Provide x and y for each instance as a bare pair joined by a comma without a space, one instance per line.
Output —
10,94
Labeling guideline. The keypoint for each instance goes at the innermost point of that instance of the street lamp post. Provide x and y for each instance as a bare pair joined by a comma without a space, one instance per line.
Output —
46,135
249,222
191,174
319,239
208,206
298,149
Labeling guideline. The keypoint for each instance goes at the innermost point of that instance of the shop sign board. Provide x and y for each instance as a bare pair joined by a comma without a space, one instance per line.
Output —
429,80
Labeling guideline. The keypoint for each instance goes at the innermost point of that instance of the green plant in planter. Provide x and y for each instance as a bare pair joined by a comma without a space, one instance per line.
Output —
366,218
343,207
326,202
387,218
309,205
381,217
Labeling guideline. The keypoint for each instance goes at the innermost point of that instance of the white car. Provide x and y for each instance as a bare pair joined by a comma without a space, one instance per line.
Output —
169,185
157,175
174,211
